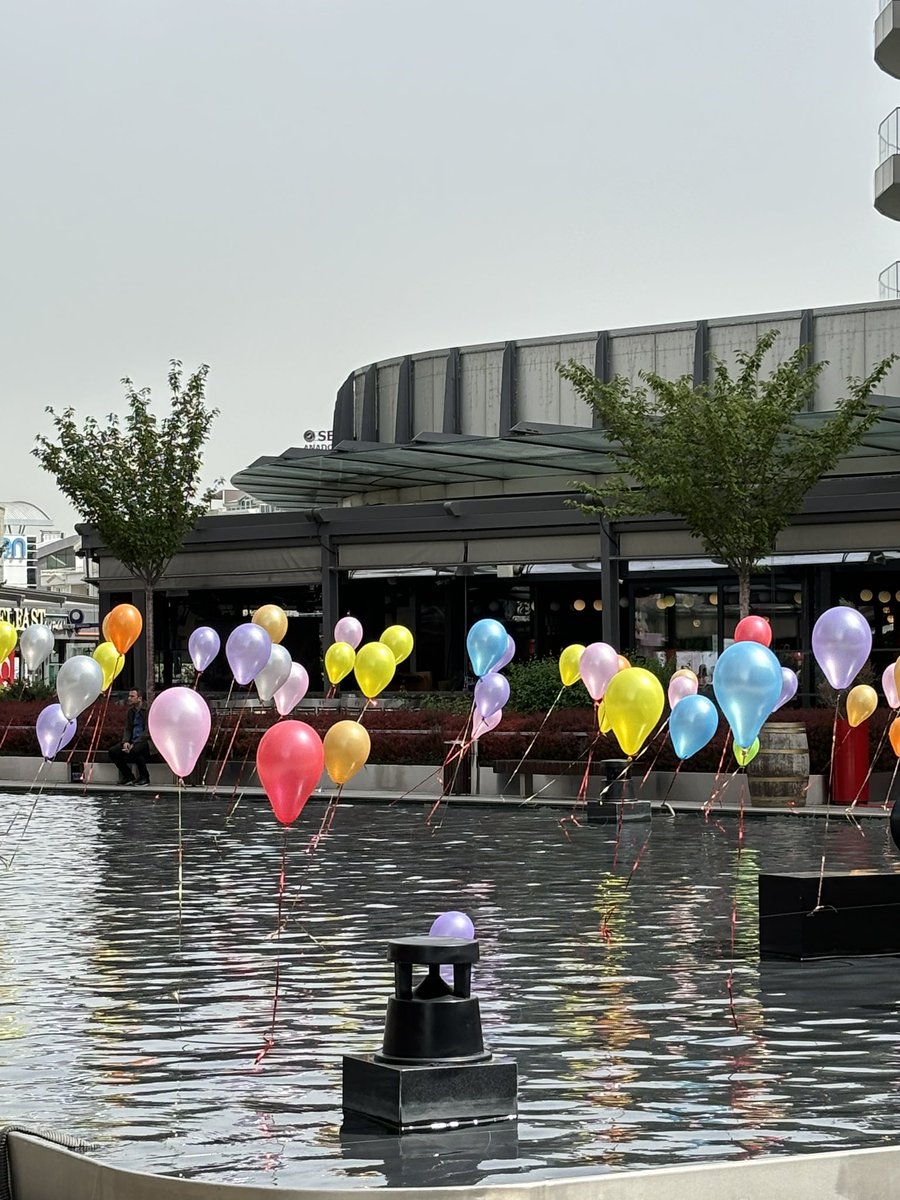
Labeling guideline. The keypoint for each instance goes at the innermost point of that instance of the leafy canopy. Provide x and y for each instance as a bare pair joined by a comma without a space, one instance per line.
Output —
136,480
728,457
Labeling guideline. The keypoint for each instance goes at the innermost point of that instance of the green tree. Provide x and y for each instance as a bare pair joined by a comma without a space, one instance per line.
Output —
728,456
136,481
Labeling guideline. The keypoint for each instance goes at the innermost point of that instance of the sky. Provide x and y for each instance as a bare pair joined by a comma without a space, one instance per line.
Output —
290,189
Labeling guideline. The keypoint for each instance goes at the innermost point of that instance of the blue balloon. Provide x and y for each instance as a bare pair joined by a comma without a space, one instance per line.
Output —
487,643
747,683
692,725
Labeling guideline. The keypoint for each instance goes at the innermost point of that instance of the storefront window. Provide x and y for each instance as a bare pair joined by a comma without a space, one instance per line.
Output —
679,624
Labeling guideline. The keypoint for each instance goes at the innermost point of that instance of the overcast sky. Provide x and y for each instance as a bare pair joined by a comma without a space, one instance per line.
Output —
288,189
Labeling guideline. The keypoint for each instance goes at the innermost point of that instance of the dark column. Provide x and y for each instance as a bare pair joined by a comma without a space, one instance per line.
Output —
807,341
609,586
508,414
403,431
701,354
342,425
330,580
602,365
451,395
368,431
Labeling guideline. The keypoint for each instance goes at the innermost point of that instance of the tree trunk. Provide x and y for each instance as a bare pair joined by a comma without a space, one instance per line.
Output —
149,648
744,591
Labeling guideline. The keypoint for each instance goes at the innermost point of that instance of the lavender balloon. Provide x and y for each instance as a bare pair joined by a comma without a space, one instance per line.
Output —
203,646
508,656
348,630
491,693
248,649
452,924
293,690
53,730
841,642
889,686
486,724
789,684
597,665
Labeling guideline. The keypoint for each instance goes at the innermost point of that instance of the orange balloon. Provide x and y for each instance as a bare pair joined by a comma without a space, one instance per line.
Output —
123,626
897,673
895,735
624,664
103,628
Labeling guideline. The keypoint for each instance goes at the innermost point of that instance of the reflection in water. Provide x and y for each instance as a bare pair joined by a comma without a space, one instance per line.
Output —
626,1049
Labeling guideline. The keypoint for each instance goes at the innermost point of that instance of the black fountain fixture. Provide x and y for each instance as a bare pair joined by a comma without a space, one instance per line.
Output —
616,801
433,1070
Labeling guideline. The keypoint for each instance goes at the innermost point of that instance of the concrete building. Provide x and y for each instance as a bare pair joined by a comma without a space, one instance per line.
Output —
887,172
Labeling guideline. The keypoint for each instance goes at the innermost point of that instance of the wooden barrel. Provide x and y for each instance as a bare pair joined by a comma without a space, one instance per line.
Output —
779,775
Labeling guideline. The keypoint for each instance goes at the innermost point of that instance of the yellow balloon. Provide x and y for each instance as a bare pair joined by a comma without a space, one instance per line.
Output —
347,748
111,662
8,639
339,660
568,664
273,620
862,701
399,641
374,668
744,756
602,718
634,703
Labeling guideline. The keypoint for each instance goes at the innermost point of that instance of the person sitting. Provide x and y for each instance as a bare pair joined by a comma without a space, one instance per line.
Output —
135,745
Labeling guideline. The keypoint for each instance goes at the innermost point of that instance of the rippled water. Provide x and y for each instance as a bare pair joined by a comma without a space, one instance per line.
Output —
117,1025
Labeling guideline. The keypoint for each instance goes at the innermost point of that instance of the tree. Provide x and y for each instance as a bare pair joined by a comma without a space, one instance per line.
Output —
136,481
728,456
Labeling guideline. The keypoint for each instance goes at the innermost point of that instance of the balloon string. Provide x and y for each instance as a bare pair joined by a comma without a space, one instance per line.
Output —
227,753
269,1038
197,677
95,738
180,859
236,799
828,806
327,820
80,734
7,863
729,982
717,789
365,709
605,930
453,754
219,725
538,734
887,799
872,762
659,736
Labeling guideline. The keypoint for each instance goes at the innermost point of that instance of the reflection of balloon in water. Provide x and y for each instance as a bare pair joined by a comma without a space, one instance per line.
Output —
348,630
747,683
290,759
8,639
203,646
339,660
693,725
841,643
247,650
347,747
568,664
122,627
486,643
274,674
399,641
79,682
36,645
292,690
273,619
179,722
53,730
634,703
111,663
862,701
789,683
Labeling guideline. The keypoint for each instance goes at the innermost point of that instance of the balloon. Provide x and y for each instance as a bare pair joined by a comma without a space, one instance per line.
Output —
599,663
292,690
339,660
894,734
889,685
568,664
179,722
623,662
104,628
753,629
862,701
742,756
248,649
486,644
273,620
841,642
602,718
348,630
486,724
347,747
634,703
274,674
452,924
290,759
111,662
693,724
680,687
36,645
374,668
78,683
399,641
747,683
789,683
53,730
491,693
123,626
203,646
508,654
8,639
685,673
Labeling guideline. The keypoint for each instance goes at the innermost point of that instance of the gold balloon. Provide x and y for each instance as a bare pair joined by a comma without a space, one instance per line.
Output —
339,660
8,639
347,748
634,703
273,620
374,668
399,641
623,662
568,664
862,701
746,756
111,662
686,672
602,718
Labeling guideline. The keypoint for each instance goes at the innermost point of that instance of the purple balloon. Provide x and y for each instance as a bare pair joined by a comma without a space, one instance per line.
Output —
841,643
203,646
53,730
597,665
789,683
491,693
348,630
508,656
452,924
248,649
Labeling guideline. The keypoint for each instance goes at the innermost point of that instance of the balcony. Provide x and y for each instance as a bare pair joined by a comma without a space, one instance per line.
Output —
887,174
887,38
889,282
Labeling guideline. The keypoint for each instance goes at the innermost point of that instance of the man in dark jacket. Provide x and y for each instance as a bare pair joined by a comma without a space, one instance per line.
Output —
135,745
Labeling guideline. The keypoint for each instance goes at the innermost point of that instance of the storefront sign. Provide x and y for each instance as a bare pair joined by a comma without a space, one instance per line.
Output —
21,618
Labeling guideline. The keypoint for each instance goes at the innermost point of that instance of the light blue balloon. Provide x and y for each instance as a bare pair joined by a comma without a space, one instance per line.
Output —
487,642
692,725
747,683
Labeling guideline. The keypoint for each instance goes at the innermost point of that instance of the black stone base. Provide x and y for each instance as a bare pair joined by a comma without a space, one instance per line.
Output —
611,812
409,1097
859,914
431,1158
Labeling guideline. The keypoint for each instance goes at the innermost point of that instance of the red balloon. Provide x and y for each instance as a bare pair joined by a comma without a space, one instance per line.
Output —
289,760
753,629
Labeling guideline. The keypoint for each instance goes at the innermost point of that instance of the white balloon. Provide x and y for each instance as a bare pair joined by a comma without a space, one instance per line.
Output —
36,645
274,673
293,690
78,684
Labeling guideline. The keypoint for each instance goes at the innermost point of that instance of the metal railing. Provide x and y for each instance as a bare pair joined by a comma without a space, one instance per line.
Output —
889,136
889,282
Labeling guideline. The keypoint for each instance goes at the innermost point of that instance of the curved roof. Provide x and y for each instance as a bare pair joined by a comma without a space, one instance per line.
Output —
22,512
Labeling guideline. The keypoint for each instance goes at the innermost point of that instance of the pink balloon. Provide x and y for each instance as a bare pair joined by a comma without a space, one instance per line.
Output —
292,690
508,655
598,664
491,693
789,684
889,686
486,724
349,630
681,686
179,722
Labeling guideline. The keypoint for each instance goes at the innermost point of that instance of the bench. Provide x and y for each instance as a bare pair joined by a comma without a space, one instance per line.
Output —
524,779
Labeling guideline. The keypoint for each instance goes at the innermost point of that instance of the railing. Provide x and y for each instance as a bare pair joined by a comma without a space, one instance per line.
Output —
889,136
889,282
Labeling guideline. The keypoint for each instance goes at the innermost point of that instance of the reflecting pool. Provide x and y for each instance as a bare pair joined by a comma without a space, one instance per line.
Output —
136,1030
